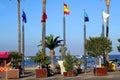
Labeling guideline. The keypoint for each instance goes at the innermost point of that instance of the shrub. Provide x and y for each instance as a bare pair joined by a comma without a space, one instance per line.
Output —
68,63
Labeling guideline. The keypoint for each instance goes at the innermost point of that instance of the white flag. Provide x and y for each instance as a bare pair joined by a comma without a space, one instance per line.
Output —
105,16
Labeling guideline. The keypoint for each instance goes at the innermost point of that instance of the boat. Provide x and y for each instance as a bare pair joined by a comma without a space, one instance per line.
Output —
27,58
78,56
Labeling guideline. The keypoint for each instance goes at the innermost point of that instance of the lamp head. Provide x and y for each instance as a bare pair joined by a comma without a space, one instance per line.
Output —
107,2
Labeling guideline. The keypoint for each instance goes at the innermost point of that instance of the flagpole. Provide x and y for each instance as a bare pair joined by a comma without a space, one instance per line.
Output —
64,35
86,19
23,40
23,46
85,61
103,35
103,32
63,47
64,31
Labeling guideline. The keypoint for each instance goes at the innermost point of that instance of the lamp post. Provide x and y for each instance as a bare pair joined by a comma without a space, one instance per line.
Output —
107,25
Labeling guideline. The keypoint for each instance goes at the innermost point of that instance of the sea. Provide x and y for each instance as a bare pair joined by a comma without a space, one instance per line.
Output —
91,61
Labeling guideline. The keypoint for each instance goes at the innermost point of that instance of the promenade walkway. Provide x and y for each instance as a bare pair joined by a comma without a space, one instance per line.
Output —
30,75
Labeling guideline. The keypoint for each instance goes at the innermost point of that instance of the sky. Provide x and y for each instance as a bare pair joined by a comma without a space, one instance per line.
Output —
54,24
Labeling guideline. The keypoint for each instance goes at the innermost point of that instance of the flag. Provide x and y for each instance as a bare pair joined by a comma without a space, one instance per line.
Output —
105,16
66,9
44,17
86,18
24,17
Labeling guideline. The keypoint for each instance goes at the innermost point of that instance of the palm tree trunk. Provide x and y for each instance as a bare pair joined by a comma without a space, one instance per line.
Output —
52,53
19,31
43,25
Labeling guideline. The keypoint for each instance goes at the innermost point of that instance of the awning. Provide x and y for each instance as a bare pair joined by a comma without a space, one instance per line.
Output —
4,54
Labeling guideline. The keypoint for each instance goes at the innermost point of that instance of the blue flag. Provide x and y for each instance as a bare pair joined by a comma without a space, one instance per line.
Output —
86,18
24,17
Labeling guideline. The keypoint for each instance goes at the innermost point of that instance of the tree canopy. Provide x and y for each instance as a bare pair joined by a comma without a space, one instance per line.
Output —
68,62
118,47
51,42
95,46
42,58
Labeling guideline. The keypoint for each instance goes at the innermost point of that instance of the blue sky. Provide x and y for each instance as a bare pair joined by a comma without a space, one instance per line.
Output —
54,23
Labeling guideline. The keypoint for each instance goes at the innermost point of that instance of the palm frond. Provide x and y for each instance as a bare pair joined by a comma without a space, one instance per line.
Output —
52,42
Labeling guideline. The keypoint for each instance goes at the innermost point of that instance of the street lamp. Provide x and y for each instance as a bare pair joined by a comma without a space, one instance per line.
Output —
107,25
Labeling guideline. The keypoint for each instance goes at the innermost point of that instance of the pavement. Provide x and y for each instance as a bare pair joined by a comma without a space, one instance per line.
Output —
30,75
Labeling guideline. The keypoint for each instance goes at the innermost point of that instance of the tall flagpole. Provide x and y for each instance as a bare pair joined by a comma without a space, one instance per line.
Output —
63,47
103,35
86,19
23,39
64,27
23,46
64,36
85,60
64,31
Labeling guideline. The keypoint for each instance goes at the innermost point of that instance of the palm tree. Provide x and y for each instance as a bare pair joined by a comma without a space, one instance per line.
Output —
15,58
19,31
43,25
52,43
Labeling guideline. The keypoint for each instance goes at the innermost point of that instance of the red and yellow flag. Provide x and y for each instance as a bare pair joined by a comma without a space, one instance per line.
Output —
66,9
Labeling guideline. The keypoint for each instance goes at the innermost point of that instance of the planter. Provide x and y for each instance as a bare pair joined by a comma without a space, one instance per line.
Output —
100,71
69,74
41,73
13,74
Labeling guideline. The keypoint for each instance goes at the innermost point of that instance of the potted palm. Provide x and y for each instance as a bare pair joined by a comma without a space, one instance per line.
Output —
68,64
16,66
52,43
96,47
16,58
43,59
